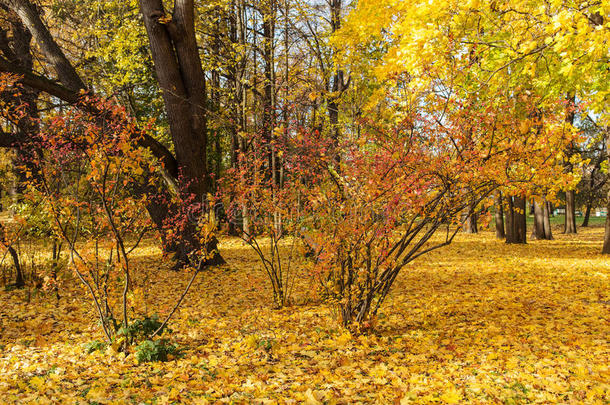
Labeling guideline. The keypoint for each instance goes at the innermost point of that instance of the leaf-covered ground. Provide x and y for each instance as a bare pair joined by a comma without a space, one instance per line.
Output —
477,322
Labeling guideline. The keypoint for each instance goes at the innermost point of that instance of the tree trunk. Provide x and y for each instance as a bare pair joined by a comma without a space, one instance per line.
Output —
585,221
19,279
500,233
470,225
339,84
182,81
538,228
541,229
519,223
516,220
547,220
606,247
570,216
510,219
30,16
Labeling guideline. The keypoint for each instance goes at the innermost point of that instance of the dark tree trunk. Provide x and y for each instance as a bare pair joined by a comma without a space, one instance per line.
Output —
338,85
19,279
30,16
606,247
516,220
570,216
520,226
547,220
182,81
510,219
585,221
500,233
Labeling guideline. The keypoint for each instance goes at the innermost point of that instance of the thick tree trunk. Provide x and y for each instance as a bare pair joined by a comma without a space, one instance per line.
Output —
180,76
606,247
470,225
538,227
541,229
500,233
547,220
516,220
570,216
520,225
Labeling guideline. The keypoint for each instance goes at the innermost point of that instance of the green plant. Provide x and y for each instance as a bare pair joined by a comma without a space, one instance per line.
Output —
142,329
95,346
156,350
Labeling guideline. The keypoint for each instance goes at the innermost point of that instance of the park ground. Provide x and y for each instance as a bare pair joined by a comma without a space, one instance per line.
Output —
476,322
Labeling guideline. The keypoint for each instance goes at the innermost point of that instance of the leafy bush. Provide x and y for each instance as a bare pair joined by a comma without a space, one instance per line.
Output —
141,329
156,350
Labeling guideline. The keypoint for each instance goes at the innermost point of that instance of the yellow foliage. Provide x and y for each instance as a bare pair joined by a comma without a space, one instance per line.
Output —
477,322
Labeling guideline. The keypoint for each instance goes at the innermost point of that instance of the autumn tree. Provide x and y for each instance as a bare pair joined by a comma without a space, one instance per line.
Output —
180,76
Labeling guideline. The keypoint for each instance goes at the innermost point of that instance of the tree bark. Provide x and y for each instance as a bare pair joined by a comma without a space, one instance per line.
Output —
516,220
510,218
470,224
547,220
339,85
30,16
180,76
606,247
541,229
570,215
519,223
500,232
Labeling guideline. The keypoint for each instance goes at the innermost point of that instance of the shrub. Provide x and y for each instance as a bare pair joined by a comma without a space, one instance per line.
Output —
156,350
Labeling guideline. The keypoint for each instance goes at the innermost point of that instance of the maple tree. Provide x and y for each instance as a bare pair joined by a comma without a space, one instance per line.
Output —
491,49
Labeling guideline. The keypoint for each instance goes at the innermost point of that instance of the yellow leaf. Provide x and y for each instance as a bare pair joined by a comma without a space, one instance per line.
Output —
452,396
97,394
37,382
310,398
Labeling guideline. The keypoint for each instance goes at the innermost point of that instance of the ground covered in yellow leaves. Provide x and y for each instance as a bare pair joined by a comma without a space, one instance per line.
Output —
476,322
